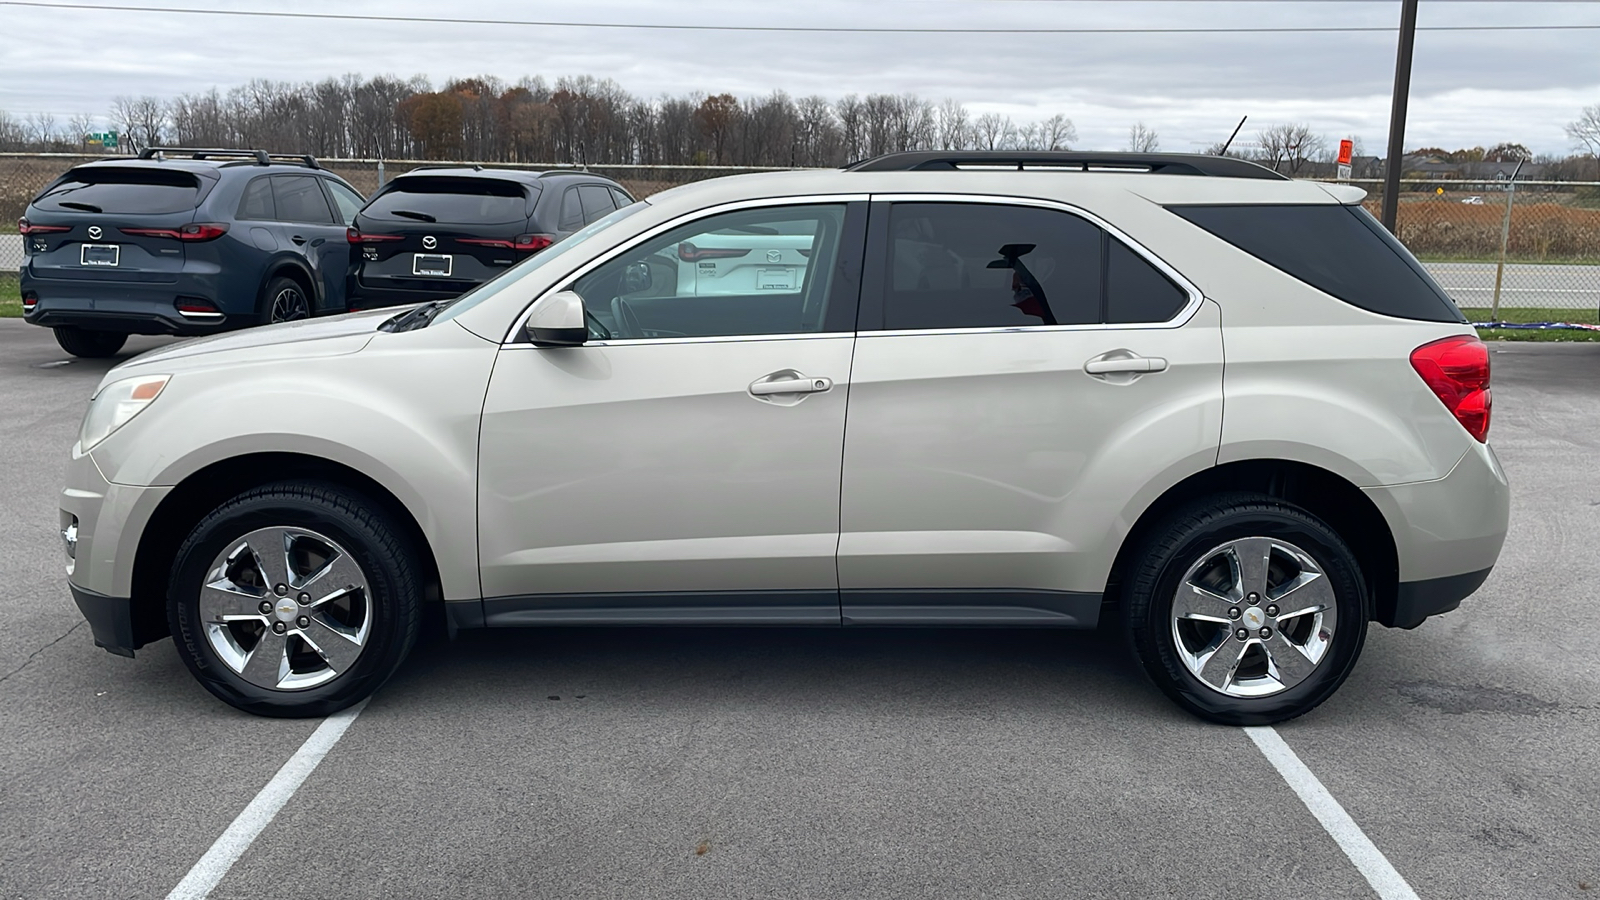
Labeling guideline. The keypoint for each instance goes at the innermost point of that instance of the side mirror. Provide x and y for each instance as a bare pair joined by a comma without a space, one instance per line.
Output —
636,277
557,321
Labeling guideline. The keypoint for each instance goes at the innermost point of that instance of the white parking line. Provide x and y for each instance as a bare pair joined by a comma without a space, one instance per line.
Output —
1343,829
242,832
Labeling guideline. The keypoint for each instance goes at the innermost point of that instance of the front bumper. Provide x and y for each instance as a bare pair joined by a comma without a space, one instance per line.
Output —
110,520
111,619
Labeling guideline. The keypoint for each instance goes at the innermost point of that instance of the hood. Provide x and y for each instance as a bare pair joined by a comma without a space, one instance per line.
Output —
329,336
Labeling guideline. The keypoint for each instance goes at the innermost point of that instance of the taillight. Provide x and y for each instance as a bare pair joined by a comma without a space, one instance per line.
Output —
356,236
1457,370
690,253
522,243
194,231
197,307
24,228
29,301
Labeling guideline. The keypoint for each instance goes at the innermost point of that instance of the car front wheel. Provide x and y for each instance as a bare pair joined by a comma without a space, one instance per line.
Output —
1246,610
295,599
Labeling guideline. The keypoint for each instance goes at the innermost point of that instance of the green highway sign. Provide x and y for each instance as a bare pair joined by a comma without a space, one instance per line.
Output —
106,139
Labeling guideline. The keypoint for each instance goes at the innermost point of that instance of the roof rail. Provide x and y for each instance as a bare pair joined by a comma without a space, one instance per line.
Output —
259,157
1068,160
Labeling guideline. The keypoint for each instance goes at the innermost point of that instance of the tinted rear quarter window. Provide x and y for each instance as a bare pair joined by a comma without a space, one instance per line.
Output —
571,211
452,199
1337,249
257,201
1136,291
123,190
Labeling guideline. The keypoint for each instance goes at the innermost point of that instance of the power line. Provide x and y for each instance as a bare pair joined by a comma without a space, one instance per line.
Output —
810,29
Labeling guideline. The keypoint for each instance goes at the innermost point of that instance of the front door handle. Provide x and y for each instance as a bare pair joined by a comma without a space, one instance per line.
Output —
794,384
1108,364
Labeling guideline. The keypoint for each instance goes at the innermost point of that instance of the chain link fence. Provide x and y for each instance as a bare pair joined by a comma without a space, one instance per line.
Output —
1528,252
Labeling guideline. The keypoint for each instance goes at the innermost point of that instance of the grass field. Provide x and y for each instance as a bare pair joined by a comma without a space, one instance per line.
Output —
1535,314
10,297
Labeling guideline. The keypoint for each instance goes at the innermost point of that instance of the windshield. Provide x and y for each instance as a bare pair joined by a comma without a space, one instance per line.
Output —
514,274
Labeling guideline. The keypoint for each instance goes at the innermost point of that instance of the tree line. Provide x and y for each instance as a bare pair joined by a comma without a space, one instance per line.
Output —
589,121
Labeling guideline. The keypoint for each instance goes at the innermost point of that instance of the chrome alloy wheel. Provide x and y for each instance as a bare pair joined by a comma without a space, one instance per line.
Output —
1253,617
288,305
286,608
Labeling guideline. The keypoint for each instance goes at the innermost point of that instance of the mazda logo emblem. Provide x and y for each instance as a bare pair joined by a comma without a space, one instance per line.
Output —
94,232
430,242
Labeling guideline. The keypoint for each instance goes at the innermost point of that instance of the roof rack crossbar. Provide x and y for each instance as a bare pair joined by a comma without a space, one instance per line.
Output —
259,157
1066,160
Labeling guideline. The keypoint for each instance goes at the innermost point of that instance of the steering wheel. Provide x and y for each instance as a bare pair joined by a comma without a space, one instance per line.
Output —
626,320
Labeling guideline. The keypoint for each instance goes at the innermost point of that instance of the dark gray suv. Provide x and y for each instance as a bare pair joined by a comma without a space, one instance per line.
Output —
439,231
184,241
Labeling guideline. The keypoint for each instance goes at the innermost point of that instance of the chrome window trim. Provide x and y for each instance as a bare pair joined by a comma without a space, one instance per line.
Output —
563,283
724,338
1181,318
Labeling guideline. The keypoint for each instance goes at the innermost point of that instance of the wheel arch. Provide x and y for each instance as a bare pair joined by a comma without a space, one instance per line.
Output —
296,269
207,488
1327,495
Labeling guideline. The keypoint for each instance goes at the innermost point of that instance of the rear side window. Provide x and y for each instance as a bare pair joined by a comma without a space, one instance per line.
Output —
597,202
969,265
1337,249
299,199
349,202
452,199
622,198
122,190
257,201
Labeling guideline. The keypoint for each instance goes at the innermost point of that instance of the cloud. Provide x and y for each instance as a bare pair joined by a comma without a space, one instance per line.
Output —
1468,87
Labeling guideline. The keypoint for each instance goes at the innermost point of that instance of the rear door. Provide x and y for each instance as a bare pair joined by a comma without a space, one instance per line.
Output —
312,227
1021,375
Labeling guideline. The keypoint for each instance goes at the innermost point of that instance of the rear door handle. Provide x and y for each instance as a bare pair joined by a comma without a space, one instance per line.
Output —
797,385
1108,365
298,239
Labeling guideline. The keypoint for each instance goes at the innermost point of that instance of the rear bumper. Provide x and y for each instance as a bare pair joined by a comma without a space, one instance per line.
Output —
130,307
1417,600
364,295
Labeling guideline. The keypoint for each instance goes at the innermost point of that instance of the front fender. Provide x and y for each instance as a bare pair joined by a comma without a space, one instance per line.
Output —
404,411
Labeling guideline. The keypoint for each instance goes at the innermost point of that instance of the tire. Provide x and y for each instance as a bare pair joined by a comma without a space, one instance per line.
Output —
284,299
89,344
330,539
1282,668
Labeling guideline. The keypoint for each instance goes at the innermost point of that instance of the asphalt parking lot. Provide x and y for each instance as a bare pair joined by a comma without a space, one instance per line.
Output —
820,763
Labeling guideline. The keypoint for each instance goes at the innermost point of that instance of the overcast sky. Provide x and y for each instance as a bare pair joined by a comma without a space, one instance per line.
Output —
1468,88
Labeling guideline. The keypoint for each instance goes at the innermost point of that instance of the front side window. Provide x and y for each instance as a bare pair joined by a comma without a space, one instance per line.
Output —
751,272
299,199
974,265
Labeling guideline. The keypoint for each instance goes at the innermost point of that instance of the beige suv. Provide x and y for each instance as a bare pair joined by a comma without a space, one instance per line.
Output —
1222,408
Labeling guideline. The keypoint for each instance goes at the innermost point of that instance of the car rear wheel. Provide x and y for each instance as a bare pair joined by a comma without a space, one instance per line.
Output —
285,301
89,344
295,599
1246,610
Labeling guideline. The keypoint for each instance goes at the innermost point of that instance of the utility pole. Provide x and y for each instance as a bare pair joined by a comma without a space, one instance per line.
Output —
1397,112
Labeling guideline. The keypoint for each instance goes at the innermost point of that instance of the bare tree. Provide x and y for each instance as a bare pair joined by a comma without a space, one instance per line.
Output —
42,129
1585,133
1143,139
1057,133
142,120
993,131
954,133
1289,146
78,128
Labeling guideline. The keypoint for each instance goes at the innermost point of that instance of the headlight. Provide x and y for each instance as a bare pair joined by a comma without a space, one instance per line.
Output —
116,403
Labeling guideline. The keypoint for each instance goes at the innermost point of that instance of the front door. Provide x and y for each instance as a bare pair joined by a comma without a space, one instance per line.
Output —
683,465
1021,376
